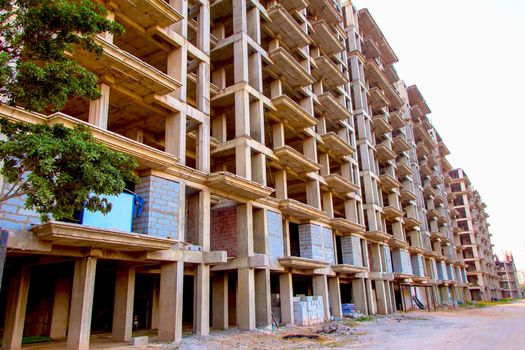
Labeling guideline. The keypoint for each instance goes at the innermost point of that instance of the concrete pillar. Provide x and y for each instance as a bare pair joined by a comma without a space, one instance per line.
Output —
382,297
99,108
16,309
170,301
79,326
359,295
201,316
123,304
372,304
175,136
263,304
246,299
60,315
220,301
335,297
155,306
245,230
320,286
286,297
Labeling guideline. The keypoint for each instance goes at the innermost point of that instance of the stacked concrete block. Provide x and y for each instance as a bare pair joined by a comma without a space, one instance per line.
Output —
401,262
388,259
160,214
275,234
311,242
417,265
351,250
308,310
14,216
450,272
328,244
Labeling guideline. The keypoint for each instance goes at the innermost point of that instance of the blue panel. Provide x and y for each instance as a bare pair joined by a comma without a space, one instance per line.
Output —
119,218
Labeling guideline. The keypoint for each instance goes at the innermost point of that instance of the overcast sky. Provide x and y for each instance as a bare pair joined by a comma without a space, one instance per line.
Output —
467,57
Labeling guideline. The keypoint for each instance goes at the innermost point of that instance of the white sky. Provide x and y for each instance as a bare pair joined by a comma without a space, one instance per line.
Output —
467,57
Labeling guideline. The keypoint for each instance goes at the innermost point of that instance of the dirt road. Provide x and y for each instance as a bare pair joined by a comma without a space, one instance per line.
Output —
495,327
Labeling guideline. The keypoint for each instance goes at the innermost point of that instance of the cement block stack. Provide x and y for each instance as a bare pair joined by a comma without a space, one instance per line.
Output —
308,310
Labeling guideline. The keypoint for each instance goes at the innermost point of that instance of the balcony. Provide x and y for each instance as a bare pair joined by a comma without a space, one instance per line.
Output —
384,151
400,144
331,108
295,160
147,13
132,75
411,223
286,68
328,72
368,26
294,5
407,195
339,184
295,262
335,145
346,226
422,150
380,125
397,243
396,120
299,210
403,169
68,234
284,26
423,135
291,114
370,48
326,10
388,182
391,213
376,77
237,185
377,98
325,38
378,236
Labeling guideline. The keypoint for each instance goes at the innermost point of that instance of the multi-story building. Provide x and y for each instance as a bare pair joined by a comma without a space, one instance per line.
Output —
474,237
282,162
508,277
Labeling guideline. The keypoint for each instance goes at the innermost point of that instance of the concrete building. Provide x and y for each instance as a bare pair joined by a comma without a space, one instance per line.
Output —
509,282
474,238
284,167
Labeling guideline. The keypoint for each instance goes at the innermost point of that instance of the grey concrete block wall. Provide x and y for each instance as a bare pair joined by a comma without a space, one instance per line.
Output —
351,250
417,265
401,262
388,259
13,214
275,234
328,243
160,214
311,242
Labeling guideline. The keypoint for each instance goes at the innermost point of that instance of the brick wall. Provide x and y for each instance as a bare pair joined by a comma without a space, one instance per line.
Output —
160,214
275,234
224,230
14,216
311,241
351,250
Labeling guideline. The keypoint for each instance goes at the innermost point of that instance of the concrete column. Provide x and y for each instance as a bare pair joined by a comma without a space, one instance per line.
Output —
155,306
16,309
320,286
335,297
203,233
281,184
286,297
99,108
79,327
170,301
123,304
201,315
382,298
359,295
245,230
60,313
263,304
175,136
220,301
246,299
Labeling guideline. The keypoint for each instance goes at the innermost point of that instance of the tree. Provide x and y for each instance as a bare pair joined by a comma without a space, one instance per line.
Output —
35,35
61,170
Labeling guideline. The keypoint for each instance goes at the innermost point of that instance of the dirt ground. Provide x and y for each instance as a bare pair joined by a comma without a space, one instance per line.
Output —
495,327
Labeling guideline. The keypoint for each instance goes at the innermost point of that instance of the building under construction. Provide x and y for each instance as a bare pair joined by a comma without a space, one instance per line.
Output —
285,167
509,283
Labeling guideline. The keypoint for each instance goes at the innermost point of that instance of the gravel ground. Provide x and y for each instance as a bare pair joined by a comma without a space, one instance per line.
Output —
495,327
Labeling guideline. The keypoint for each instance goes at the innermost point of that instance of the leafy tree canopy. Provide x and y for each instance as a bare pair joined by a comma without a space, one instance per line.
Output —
61,170
35,71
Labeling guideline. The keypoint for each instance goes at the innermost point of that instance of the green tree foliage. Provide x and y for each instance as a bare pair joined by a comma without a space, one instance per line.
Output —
61,170
35,36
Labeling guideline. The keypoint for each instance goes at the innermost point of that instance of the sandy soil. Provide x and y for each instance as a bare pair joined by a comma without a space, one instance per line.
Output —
496,327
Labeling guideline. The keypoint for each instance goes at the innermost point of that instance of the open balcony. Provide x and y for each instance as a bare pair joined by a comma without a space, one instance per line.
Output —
299,210
403,168
411,223
388,182
381,125
146,13
295,160
378,236
400,144
286,68
237,185
339,184
396,120
295,5
299,263
370,48
291,113
422,150
391,213
377,98
331,108
325,38
326,10
384,151
328,72
346,226
284,26
335,145
369,28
